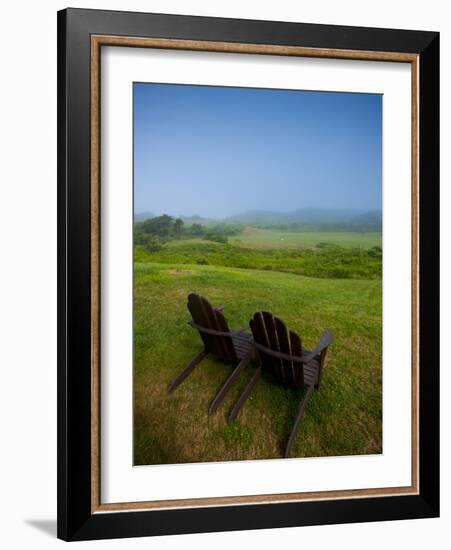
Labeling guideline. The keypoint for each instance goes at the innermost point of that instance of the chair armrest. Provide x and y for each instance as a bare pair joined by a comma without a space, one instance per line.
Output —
326,339
210,331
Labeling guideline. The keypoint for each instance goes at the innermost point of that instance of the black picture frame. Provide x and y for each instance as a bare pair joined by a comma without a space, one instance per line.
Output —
75,518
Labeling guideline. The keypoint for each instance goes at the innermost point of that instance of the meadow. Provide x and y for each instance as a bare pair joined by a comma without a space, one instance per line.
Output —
257,237
313,281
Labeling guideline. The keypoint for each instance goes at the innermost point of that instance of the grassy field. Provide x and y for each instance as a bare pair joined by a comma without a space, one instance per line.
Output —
269,238
343,417
325,260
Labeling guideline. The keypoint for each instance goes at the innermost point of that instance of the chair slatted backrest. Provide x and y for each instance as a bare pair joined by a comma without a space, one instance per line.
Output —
206,316
271,332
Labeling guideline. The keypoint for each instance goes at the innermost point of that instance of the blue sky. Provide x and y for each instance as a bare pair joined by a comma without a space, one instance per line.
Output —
216,151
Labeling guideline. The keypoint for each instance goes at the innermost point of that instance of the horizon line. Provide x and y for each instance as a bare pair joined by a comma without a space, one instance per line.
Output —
258,211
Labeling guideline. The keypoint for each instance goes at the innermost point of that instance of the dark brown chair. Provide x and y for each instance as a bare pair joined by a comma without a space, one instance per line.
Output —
280,352
228,345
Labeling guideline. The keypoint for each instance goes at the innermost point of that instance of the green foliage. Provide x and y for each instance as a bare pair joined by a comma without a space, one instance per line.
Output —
220,233
167,228
326,245
196,230
327,261
215,236
178,228
151,243
162,226
375,252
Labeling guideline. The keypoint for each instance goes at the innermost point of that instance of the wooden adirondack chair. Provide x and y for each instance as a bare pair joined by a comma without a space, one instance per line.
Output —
228,345
280,352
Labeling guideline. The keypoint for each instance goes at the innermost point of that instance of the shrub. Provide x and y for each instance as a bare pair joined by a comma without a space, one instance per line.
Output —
152,243
375,252
216,237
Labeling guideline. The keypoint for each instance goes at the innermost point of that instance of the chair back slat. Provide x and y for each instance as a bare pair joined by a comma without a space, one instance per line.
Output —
210,322
284,347
296,349
271,332
273,340
205,315
260,335
226,344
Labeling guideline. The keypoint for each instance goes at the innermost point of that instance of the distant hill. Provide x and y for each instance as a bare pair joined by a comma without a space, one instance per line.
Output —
313,218
372,218
302,219
188,220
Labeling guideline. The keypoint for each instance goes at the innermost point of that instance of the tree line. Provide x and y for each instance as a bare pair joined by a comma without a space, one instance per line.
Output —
153,233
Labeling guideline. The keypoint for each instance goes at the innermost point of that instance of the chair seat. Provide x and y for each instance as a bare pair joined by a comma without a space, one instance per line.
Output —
242,342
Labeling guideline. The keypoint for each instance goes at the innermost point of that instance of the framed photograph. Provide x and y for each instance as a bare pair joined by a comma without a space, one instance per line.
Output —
248,274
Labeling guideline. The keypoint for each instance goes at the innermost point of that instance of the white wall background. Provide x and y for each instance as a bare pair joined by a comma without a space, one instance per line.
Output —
28,270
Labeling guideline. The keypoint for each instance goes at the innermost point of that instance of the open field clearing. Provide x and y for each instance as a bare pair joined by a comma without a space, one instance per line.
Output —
273,238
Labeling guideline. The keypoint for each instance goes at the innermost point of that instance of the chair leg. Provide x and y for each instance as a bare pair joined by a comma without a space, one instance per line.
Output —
229,382
297,422
187,371
243,397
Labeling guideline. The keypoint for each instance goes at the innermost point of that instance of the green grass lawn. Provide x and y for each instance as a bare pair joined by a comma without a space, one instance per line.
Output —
271,238
343,418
